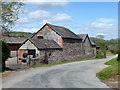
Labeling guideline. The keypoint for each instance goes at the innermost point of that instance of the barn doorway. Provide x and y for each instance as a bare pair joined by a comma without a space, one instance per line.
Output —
31,52
45,61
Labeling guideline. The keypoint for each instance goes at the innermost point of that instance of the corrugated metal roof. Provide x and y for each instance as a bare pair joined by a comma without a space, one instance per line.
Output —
13,40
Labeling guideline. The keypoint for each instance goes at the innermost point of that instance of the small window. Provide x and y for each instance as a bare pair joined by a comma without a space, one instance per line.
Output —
40,37
49,54
93,51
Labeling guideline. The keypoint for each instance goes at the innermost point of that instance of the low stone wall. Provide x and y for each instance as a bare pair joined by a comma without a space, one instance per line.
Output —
48,57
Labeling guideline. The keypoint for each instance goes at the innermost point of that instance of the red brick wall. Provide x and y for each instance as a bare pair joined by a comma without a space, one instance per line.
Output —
61,42
20,55
14,47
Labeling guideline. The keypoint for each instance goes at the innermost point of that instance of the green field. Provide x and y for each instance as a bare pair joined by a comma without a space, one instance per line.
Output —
111,71
20,34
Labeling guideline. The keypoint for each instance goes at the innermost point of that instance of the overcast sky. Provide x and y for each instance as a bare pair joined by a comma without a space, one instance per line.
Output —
93,18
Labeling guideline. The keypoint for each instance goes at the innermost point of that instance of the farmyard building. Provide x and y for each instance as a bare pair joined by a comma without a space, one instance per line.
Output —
54,44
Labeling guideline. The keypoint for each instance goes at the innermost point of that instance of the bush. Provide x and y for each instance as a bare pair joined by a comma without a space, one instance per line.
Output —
101,54
114,51
118,59
5,54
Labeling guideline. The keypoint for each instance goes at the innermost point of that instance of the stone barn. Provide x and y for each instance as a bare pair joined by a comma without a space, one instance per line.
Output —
54,44
14,42
88,47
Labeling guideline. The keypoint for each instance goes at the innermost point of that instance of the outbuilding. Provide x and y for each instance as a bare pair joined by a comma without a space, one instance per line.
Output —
37,49
54,44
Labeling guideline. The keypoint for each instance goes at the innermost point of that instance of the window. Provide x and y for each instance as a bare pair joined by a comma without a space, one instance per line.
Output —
40,37
49,54
32,52
93,51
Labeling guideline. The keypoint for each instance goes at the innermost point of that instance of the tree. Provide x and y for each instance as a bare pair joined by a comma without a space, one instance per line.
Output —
100,36
5,54
118,50
102,43
9,14
118,56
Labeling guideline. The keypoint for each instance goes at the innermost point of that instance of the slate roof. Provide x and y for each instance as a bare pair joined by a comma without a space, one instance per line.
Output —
63,32
83,36
13,40
93,43
45,44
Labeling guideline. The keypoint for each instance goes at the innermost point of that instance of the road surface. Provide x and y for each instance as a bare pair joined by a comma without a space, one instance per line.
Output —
71,75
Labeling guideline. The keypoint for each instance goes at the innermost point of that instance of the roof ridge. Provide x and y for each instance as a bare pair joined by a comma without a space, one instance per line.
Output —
59,26
82,34
65,29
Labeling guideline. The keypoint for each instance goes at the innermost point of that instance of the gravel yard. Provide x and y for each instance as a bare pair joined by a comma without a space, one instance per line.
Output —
11,63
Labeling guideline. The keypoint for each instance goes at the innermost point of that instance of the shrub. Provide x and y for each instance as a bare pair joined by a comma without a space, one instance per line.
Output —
5,54
118,59
101,54
114,51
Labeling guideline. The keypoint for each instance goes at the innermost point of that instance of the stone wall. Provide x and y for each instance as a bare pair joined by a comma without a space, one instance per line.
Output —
48,57
88,51
48,33
72,50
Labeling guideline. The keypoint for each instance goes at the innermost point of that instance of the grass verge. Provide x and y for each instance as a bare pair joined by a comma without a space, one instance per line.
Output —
111,71
109,54
47,65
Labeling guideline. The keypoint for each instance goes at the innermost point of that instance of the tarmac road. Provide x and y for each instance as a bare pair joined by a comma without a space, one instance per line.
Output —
71,75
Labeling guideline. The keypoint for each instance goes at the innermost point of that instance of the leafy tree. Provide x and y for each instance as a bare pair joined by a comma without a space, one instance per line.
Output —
5,54
118,56
111,45
102,43
100,36
118,50
9,14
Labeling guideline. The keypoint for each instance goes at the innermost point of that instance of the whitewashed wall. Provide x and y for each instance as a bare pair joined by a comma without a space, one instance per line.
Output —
29,45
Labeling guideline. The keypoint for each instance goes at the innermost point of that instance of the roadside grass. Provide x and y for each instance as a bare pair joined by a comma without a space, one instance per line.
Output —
47,65
111,71
109,54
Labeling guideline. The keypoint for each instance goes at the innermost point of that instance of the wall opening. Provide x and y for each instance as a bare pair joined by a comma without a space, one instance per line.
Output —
40,37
